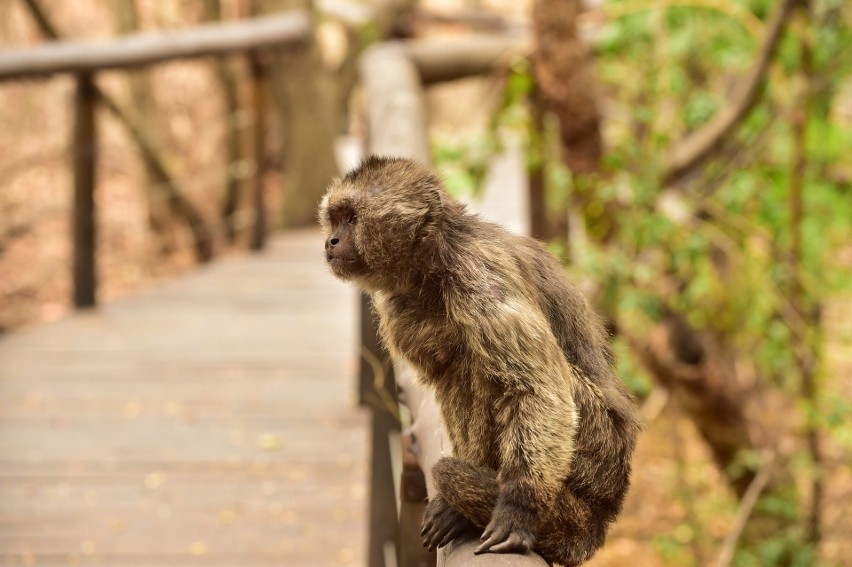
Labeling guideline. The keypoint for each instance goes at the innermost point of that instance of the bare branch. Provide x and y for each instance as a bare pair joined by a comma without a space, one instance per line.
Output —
176,199
749,499
698,145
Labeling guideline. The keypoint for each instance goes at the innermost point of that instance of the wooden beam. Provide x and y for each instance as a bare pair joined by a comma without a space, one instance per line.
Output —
259,85
396,118
450,58
396,114
83,157
152,47
377,391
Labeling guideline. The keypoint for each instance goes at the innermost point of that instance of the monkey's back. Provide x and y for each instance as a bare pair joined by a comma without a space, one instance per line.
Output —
608,422
442,328
491,266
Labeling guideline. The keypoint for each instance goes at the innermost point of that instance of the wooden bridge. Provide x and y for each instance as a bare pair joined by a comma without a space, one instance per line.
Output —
214,420
209,421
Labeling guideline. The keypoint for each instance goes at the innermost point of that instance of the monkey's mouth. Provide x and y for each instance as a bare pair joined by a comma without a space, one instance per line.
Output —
331,259
343,266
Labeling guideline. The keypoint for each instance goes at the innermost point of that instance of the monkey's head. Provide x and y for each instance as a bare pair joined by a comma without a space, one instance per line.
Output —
377,218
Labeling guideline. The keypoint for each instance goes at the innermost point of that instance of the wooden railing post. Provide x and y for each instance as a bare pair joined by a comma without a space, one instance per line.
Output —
412,496
84,154
259,85
376,393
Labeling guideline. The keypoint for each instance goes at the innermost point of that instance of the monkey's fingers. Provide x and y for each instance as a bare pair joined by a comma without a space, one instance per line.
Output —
491,537
443,533
455,531
515,543
429,535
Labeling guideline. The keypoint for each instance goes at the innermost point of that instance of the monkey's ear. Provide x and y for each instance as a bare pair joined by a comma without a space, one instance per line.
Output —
322,211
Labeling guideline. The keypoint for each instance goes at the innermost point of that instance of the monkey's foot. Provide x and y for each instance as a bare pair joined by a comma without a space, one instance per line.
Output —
504,535
442,524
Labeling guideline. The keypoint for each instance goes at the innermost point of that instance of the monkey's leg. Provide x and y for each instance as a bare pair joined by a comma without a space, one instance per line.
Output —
467,495
474,492
442,524
568,538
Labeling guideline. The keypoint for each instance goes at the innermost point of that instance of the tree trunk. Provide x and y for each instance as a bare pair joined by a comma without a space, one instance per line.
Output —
226,76
142,100
172,194
306,98
807,307
565,85
699,372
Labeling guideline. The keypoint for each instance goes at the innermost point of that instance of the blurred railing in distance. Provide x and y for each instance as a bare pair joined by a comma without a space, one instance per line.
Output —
393,75
85,59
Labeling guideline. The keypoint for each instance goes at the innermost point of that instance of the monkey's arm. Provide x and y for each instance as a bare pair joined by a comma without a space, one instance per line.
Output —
535,417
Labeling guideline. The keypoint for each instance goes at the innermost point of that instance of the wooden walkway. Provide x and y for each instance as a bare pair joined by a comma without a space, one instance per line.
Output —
208,422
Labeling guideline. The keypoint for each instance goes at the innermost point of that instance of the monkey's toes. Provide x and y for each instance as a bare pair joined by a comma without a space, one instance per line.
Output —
501,538
442,524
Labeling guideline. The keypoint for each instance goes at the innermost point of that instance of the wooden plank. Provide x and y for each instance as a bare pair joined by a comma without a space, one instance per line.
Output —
210,421
152,47
396,114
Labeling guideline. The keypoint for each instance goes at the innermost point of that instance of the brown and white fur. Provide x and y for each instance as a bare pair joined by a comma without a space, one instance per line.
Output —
542,429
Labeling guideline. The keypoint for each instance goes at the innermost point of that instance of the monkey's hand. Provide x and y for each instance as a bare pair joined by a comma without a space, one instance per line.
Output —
505,534
442,524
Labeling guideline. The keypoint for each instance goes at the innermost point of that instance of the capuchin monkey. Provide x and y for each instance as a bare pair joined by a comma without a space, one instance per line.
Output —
542,429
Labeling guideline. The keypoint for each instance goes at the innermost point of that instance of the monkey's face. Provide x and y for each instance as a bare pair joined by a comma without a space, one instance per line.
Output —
375,218
340,220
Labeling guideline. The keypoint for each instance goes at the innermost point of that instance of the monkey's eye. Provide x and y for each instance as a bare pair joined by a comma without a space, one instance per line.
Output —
352,219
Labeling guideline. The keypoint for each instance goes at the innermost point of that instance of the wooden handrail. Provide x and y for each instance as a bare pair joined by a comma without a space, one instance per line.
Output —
151,47
86,58
396,119
464,56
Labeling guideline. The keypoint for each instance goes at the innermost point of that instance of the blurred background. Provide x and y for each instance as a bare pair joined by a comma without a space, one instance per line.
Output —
689,160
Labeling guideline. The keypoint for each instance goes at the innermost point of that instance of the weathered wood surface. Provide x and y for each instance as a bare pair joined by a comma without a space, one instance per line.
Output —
396,119
211,421
151,47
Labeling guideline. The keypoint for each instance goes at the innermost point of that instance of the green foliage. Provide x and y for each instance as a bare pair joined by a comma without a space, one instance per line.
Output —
672,550
716,248
732,268
718,251
630,372
463,163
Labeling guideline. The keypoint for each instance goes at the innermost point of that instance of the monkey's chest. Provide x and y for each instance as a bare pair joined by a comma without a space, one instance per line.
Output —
425,338
439,353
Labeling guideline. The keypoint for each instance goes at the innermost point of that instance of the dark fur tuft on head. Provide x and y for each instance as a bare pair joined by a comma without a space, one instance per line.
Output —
372,163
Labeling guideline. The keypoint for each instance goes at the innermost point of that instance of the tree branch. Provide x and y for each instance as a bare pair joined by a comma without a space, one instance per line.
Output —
177,201
698,145
744,511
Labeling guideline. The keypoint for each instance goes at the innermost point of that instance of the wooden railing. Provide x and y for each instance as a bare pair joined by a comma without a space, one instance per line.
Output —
85,59
393,75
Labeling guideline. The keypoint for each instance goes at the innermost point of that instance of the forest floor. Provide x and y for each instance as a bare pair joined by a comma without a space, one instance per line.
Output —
679,509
